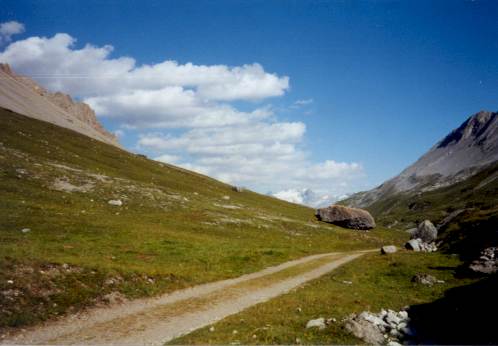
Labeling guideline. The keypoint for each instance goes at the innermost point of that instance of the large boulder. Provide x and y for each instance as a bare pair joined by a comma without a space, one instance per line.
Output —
346,217
425,231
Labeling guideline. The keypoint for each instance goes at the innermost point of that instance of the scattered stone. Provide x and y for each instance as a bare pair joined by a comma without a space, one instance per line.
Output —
388,249
387,327
211,329
226,198
316,323
235,332
419,245
116,202
26,230
365,330
10,282
413,244
114,298
238,188
346,217
425,231
347,282
487,262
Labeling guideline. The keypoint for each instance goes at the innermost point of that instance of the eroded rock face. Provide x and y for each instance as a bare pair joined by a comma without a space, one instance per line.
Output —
346,217
24,96
425,231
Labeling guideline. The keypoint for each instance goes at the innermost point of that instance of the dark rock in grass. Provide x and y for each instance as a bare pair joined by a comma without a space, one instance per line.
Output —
424,279
388,249
346,217
425,231
487,263
238,189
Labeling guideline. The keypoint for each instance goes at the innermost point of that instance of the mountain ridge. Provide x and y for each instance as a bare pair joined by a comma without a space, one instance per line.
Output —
462,153
24,96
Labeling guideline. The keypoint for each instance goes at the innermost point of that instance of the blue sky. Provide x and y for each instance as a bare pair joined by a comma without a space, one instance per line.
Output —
387,79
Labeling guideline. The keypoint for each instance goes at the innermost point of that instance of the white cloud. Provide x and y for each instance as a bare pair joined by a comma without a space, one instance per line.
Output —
166,158
300,103
204,117
9,29
307,197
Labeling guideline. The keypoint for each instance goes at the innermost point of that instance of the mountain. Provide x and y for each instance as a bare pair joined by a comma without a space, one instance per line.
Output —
306,197
24,96
455,185
461,154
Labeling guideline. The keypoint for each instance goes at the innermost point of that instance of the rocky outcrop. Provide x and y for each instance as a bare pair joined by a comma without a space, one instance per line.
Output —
24,96
346,217
487,262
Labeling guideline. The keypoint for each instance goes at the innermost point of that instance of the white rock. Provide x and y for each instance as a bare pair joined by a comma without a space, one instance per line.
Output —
226,198
10,282
392,318
26,230
316,323
403,314
116,202
211,329
414,244
393,343
387,249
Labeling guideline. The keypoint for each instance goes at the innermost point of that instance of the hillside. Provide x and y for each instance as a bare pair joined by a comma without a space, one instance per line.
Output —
64,247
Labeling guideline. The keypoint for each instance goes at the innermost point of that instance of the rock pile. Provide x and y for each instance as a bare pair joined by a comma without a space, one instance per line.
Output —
346,217
423,238
386,327
487,262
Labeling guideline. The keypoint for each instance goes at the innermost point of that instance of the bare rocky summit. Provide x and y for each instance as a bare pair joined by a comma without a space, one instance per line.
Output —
24,96
461,154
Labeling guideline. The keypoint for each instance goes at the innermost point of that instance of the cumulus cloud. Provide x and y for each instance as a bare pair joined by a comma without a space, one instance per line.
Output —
9,29
307,197
204,118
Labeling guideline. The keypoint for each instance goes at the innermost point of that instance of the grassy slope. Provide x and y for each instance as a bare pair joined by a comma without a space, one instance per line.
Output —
377,282
175,229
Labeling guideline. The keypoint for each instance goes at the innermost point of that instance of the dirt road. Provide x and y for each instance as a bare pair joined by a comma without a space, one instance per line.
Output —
154,321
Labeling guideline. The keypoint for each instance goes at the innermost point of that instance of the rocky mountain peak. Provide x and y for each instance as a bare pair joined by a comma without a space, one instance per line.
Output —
472,129
462,153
